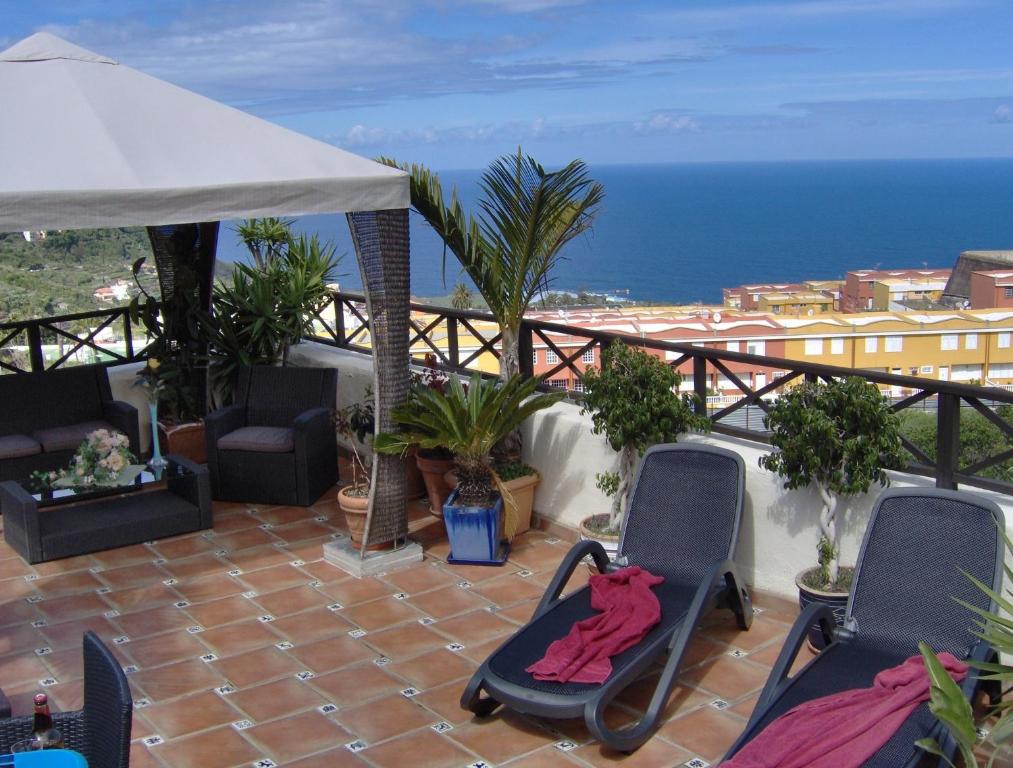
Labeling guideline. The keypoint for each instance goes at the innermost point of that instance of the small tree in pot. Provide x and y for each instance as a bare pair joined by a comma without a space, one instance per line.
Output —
839,435
634,401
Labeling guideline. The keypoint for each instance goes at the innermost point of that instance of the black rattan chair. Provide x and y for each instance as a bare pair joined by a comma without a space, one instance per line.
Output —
906,584
683,524
101,729
276,444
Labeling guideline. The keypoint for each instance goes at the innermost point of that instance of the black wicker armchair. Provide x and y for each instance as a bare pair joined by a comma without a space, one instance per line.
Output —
276,444
101,729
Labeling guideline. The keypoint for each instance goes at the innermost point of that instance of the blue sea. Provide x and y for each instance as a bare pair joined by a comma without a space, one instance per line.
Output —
683,232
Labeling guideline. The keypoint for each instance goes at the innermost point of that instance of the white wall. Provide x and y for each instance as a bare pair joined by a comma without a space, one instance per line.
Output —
780,529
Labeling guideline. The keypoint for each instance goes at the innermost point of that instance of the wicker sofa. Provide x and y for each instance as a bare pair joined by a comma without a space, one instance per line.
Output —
45,416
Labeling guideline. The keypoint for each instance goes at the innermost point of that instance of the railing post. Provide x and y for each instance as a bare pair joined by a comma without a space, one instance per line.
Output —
35,355
947,440
453,350
128,337
700,385
339,320
524,347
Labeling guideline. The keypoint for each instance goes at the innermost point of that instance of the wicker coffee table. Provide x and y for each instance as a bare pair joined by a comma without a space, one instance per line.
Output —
49,525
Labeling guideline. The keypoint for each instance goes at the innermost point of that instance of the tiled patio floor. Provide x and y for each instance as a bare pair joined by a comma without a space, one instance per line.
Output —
245,645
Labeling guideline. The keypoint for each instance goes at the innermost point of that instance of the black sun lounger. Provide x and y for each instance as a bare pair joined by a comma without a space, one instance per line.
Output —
682,523
906,581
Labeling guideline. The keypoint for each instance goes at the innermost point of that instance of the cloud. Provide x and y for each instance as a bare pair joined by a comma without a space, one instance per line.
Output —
781,49
664,123
1003,114
361,137
747,14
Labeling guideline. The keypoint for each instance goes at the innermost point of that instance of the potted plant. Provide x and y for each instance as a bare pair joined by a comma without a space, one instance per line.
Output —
840,436
433,463
469,424
634,402
355,423
518,482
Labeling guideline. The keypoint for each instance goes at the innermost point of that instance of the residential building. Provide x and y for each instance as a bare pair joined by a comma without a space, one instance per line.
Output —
860,285
992,288
958,288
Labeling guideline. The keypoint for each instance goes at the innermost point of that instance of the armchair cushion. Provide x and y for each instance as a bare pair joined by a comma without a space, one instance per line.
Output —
259,439
14,446
69,437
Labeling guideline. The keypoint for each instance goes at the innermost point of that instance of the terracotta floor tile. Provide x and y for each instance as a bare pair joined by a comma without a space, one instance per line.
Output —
65,665
139,598
156,650
22,669
655,752
473,573
301,531
501,737
520,613
445,701
682,699
243,539
220,748
68,696
746,706
232,639
351,591
332,653
17,612
226,610
189,714
434,668
728,677
64,565
274,578
285,515
177,679
447,601
308,551
13,567
762,631
20,638
114,558
538,557
195,567
474,628
153,622
706,732
297,736
406,641
354,685
700,649
141,757
261,665
323,571
546,757
339,757
424,747
275,699
183,546
209,588
68,634
509,589
482,651
233,521
383,718
292,600
72,607
129,576
310,626
419,578
15,589
381,613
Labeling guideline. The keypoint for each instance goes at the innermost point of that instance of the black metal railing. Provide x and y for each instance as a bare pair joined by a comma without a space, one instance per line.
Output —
42,344
456,340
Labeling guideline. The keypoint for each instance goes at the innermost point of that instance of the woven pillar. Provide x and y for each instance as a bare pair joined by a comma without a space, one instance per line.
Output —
381,245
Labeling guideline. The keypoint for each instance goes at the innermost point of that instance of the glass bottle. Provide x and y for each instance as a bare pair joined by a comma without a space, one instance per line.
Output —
44,735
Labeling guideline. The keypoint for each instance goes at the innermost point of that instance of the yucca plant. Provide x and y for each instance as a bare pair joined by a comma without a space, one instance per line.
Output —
468,423
947,701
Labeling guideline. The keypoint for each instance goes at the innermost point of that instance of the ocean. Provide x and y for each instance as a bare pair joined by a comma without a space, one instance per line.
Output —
681,233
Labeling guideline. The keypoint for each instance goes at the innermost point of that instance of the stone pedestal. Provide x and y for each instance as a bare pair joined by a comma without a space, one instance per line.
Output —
343,555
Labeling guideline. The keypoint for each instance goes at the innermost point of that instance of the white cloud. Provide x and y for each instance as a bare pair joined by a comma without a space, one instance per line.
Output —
663,123
1003,114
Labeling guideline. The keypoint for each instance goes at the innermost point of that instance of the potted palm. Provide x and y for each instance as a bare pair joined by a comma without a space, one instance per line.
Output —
468,424
839,436
634,402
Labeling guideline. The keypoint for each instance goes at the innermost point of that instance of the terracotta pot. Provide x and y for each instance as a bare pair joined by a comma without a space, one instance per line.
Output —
518,499
415,485
184,439
609,542
356,509
433,471
837,601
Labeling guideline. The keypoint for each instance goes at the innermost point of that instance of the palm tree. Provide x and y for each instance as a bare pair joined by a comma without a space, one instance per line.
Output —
461,297
527,216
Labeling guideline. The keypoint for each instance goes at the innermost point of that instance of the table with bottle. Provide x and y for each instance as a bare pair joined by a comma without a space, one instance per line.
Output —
44,747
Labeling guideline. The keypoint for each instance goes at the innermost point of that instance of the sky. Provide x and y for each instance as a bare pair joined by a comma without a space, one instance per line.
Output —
456,83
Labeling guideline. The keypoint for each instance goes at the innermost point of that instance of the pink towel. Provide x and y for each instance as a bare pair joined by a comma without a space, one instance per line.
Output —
629,611
845,729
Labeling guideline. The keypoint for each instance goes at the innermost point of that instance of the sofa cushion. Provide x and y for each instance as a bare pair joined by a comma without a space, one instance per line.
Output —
15,446
70,437
259,439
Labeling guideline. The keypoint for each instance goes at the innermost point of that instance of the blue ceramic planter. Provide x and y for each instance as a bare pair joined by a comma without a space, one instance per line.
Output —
473,531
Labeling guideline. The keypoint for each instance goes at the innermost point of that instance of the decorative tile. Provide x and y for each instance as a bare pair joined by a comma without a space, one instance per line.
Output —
121,640
551,540
337,536
697,762
242,725
381,661
304,675
357,633
221,552
43,651
334,607
46,682
327,708
104,590
208,535
265,618
321,518
565,745
130,669
464,584
34,599
264,762
401,596
356,746
757,610
181,603
38,623
265,526
159,561
493,609
297,563
720,704
442,727
151,741
316,584
235,572
525,573
170,582
455,647
425,621
142,703
31,577
409,692
225,690
250,594
478,764
96,569
284,645
738,653
207,658
195,629
111,614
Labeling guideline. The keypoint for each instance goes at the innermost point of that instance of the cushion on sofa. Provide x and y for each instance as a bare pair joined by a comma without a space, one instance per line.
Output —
259,439
15,446
70,437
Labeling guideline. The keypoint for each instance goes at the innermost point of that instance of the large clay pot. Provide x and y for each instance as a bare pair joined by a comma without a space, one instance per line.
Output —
836,601
415,485
356,509
433,471
609,542
184,439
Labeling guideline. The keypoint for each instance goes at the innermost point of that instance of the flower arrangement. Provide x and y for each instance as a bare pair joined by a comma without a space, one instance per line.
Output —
100,460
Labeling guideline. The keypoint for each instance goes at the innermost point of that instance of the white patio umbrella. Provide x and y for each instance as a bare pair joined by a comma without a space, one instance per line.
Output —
89,142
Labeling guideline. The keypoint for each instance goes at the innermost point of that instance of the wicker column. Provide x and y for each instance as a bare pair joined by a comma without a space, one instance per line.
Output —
381,245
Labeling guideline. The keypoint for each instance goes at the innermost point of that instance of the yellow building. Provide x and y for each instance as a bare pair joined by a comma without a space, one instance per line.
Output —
796,303
893,290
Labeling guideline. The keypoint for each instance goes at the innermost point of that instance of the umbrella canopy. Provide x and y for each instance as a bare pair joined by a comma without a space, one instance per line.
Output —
88,142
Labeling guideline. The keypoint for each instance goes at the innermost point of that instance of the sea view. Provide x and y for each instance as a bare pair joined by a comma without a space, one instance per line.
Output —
683,232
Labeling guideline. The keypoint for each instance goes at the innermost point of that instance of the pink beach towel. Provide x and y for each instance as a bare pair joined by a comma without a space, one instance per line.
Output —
845,729
629,611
